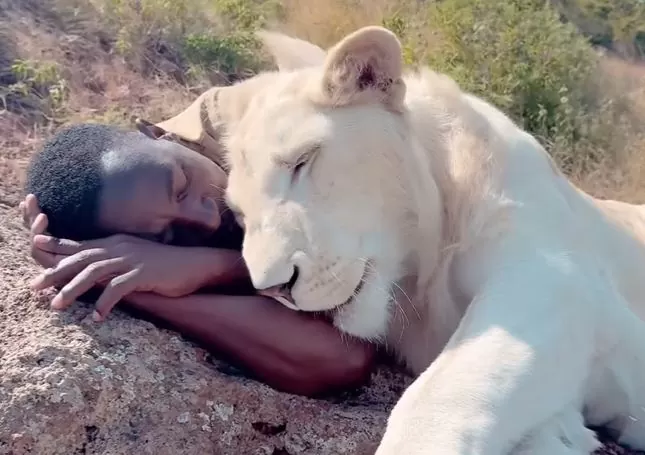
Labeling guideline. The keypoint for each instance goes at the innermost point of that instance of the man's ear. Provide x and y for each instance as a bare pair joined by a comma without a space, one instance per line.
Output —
149,129
291,53
365,66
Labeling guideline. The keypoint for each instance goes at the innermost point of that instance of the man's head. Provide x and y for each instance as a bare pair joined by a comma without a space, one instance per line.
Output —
94,180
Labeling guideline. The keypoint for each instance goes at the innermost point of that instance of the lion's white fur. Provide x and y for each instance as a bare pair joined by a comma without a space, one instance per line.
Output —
516,298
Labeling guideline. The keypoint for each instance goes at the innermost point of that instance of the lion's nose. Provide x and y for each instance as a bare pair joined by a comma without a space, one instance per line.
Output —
282,292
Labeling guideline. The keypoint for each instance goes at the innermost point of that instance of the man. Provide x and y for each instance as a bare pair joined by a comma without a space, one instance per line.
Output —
142,217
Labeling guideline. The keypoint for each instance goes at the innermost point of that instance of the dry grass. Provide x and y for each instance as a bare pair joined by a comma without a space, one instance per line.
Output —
326,22
85,41
622,123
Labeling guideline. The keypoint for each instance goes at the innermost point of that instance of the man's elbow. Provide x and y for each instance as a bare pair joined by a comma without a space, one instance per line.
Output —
356,366
344,369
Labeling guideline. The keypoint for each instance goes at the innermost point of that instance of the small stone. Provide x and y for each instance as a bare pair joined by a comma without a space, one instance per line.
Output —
184,417
224,411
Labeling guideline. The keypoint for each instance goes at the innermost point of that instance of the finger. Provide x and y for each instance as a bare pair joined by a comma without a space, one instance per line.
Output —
55,245
44,258
68,247
115,290
38,225
27,221
92,275
68,268
32,210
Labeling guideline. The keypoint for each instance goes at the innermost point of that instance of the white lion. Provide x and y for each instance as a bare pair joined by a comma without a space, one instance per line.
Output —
422,217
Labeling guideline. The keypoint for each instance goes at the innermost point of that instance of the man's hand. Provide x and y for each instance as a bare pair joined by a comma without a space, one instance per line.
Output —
37,222
123,264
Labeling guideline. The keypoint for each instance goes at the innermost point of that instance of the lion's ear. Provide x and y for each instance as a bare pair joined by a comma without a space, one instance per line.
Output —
366,65
291,53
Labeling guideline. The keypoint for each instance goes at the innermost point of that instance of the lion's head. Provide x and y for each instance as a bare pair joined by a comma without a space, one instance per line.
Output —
320,178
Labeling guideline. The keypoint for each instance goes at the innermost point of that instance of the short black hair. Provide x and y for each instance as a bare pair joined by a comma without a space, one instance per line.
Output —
66,177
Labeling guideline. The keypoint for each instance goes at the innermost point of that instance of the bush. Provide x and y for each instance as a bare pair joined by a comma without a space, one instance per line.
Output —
202,37
38,84
234,55
617,24
518,55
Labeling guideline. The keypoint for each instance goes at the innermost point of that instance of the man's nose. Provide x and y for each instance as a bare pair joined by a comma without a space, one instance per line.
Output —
204,212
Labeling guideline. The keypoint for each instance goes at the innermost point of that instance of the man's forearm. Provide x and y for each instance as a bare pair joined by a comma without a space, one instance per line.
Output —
214,267
290,351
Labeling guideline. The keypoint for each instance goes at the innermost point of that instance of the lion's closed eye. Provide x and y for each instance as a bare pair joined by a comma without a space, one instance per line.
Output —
303,162
299,166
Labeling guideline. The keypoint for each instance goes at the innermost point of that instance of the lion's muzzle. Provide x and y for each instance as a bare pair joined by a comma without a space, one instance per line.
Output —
282,292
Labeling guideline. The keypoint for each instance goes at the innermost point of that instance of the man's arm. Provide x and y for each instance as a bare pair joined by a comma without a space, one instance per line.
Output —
188,268
290,351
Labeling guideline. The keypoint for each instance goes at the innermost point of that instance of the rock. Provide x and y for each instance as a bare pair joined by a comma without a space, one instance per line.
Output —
70,386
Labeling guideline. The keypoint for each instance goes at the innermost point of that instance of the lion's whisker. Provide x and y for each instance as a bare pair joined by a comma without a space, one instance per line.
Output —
390,292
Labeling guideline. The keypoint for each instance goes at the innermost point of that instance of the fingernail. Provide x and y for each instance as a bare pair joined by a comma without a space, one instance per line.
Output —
35,283
57,303
96,316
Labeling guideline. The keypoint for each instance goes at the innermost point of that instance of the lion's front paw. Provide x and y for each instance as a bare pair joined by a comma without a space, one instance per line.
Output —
564,434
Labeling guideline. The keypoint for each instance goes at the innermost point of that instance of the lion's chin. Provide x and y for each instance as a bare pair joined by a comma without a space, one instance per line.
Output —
357,290
367,271
365,314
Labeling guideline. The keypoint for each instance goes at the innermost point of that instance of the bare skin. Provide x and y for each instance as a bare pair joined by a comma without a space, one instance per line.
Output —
290,351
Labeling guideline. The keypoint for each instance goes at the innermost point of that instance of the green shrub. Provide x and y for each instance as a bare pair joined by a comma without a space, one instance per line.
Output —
399,24
205,36
40,83
615,23
137,21
518,55
232,55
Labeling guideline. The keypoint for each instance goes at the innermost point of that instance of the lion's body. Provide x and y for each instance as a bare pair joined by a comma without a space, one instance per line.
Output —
598,245
424,218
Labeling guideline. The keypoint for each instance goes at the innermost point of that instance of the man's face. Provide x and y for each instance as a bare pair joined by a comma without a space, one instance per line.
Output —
161,190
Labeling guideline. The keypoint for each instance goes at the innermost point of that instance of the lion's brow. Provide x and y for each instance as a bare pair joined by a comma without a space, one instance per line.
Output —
294,155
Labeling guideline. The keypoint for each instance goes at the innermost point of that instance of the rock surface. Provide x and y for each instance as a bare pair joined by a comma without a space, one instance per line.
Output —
70,386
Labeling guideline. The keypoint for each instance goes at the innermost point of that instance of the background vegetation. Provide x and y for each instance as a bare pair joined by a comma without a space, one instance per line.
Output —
568,70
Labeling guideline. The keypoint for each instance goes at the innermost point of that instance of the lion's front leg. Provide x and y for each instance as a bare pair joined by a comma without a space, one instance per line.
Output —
521,354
